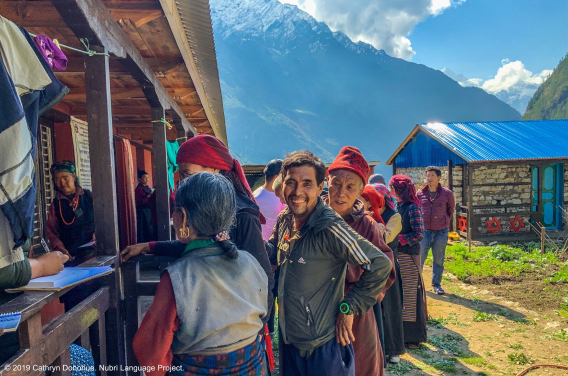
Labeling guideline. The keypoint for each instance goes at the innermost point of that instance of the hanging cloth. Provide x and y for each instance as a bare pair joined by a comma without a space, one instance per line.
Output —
27,87
172,148
54,57
126,176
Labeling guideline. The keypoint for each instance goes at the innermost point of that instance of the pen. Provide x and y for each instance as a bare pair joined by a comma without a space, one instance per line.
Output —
44,245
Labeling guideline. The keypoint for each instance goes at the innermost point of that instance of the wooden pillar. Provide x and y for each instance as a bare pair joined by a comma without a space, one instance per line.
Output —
103,176
540,207
161,174
470,214
393,168
451,188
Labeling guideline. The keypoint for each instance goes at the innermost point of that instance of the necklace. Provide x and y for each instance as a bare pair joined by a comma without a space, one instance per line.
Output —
63,218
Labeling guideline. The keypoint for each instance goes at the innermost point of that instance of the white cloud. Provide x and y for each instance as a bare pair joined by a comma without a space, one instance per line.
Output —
510,74
385,24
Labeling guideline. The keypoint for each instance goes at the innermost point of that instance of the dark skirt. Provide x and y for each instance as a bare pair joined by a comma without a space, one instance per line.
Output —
144,231
247,361
414,311
392,317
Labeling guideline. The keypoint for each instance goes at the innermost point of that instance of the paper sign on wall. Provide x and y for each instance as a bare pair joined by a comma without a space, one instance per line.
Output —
80,133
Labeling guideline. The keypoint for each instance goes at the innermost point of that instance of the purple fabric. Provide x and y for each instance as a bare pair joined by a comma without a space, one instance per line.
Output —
438,214
54,57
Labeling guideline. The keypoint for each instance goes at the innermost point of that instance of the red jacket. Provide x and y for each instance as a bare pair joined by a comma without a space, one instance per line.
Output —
437,214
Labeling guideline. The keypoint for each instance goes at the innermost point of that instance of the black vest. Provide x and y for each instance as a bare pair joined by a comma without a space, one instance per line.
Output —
82,229
404,211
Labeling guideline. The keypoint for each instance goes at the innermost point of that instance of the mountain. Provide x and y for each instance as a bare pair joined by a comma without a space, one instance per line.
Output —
290,83
516,96
551,99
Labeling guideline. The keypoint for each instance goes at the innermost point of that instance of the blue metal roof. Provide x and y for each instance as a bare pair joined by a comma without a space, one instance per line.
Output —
507,140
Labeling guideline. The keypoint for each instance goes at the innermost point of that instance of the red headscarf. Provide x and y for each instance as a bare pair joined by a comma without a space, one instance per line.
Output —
404,188
209,151
350,158
377,202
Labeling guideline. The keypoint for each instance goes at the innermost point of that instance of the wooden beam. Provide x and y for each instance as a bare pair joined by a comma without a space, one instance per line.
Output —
149,18
161,174
91,19
76,65
101,151
116,93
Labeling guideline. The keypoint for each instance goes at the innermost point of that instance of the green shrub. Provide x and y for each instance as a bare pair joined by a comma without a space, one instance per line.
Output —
520,359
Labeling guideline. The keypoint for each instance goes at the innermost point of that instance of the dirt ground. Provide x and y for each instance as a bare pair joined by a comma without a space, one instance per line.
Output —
484,347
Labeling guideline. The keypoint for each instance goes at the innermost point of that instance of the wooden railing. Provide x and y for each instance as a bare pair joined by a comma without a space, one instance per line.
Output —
47,347
141,277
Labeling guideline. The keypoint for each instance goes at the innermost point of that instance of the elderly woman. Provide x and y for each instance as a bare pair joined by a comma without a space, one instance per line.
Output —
414,314
377,199
142,195
209,154
209,304
71,222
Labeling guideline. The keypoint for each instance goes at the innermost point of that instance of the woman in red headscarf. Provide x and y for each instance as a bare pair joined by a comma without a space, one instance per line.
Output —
389,310
414,314
207,153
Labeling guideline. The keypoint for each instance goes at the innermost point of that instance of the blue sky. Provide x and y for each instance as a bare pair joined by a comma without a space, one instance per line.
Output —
472,38
497,44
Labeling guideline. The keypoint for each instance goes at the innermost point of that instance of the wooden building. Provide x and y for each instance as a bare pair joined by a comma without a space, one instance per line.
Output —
147,76
506,176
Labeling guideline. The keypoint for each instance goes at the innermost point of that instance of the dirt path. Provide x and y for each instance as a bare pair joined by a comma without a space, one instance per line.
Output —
458,344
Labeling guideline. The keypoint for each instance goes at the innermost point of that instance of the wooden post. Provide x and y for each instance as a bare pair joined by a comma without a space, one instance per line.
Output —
103,176
540,206
394,167
542,238
161,174
469,204
451,188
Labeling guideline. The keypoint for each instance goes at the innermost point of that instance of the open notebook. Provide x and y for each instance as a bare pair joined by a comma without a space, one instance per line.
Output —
9,321
67,277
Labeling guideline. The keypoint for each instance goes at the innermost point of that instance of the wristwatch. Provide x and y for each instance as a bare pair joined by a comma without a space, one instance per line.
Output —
345,309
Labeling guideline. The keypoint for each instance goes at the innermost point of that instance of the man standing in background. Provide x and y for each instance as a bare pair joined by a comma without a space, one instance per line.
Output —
438,210
269,204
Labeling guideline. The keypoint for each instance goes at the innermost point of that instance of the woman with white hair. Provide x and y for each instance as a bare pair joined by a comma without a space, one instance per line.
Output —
209,304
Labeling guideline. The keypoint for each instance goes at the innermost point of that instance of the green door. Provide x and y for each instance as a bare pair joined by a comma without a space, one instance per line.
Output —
551,198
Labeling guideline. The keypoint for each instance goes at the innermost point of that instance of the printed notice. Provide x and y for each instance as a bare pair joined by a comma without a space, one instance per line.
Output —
80,133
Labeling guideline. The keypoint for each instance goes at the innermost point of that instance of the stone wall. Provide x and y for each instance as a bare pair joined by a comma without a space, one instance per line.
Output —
513,188
419,178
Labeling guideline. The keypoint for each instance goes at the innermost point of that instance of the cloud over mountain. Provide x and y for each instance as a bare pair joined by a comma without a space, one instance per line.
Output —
513,83
385,24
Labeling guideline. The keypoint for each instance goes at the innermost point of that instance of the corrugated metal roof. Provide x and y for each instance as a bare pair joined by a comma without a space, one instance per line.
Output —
195,18
500,141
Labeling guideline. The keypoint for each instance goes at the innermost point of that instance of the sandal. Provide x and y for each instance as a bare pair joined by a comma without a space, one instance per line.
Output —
412,345
439,290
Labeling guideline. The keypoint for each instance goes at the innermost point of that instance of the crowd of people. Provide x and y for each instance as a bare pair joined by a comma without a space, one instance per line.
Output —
341,269
335,254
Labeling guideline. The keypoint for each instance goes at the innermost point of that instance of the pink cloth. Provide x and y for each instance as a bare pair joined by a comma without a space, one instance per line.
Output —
126,176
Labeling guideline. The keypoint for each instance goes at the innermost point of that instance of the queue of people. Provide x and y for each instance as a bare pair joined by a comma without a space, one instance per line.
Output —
344,267
348,285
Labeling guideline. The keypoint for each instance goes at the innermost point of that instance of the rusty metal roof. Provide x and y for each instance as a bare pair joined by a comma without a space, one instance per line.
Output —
499,140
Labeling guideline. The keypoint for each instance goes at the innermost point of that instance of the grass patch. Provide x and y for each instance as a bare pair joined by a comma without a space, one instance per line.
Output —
562,335
488,353
503,260
401,368
481,316
440,323
421,351
444,365
474,360
515,346
448,342
518,330
520,359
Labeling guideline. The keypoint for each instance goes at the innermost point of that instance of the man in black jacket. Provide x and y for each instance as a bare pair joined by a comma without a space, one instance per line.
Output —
314,246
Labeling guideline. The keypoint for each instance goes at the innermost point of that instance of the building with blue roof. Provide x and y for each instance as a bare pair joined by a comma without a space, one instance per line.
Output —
507,176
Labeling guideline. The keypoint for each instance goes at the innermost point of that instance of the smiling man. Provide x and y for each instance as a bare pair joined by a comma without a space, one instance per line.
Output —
346,181
314,246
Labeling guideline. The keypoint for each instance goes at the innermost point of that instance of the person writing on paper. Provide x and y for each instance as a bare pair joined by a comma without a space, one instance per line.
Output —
209,304
71,222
